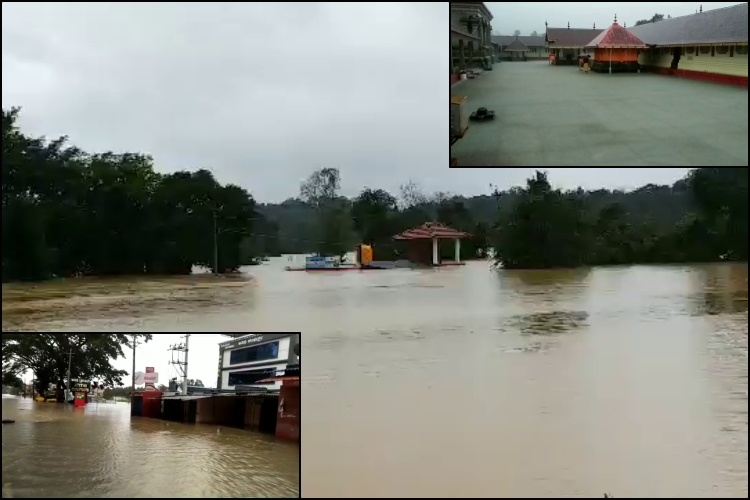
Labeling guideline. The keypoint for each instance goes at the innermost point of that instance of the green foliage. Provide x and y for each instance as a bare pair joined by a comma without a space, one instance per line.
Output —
68,213
48,355
545,227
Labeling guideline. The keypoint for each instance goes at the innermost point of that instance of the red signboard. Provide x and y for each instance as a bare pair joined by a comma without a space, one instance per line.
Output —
150,369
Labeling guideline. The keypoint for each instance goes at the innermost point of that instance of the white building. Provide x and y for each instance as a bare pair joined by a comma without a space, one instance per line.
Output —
247,359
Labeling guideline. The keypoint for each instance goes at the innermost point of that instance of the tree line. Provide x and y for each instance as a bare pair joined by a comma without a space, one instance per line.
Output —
67,213
49,355
548,227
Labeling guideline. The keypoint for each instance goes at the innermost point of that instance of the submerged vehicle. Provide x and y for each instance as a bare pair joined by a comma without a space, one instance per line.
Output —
364,261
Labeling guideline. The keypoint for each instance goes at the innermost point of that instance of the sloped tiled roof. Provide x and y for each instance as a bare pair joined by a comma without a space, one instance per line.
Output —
570,37
430,230
529,41
517,46
616,37
725,25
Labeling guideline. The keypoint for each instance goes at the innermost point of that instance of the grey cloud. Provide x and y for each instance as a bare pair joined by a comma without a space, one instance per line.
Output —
260,93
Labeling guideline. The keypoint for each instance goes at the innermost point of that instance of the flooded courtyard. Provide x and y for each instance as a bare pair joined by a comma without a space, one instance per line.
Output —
55,451
559,116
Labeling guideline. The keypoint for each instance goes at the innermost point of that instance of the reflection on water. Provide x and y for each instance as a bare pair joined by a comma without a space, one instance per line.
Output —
57,451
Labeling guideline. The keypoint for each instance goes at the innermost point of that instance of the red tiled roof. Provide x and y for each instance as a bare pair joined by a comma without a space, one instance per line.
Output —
616,37
430,230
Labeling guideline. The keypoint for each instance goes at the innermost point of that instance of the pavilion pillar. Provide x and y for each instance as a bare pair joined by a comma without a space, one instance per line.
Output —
471,54
461,57
458,250
435,252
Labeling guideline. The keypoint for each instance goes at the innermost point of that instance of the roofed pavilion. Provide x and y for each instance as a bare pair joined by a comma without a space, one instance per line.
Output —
616,49
423,243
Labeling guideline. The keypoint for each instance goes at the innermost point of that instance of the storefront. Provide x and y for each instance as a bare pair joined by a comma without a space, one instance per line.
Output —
246,362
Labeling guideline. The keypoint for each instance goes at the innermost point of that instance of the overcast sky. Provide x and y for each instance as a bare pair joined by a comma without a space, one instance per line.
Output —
203,360
263,93
530,16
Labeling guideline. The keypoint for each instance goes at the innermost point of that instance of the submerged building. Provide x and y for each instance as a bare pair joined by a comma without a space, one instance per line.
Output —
567,43
259,389
708,45
246,361
534,47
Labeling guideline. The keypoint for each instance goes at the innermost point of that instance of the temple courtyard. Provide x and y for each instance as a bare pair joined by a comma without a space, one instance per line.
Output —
557,115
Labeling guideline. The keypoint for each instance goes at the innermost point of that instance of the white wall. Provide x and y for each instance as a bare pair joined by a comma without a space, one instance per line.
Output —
284,346
277,385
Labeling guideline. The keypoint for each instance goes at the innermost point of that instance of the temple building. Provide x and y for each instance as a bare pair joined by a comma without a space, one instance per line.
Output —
567,43
423,243
710,45
615,49
470,42
535,44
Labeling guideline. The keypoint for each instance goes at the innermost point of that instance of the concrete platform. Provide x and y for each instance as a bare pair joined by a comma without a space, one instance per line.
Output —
557,115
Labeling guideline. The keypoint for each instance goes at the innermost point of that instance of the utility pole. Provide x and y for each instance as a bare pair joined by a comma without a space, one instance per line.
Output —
216,246
187,350
135,341
70,382
182,366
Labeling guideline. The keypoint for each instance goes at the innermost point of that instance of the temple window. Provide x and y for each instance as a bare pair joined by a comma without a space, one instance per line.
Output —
722,49
705,49
741,49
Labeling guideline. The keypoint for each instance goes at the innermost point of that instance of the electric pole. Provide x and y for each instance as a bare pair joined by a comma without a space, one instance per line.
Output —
216,246
135,341
187,351
70,382
182,366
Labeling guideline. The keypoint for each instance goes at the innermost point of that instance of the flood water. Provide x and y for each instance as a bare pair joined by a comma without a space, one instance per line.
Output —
630,381
55,451
466,382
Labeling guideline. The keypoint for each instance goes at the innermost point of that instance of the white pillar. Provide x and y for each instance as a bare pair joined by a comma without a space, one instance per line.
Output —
458,249
435,252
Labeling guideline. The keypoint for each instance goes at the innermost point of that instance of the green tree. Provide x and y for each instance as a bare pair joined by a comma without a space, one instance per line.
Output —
331,212
544,229
69,213
49,354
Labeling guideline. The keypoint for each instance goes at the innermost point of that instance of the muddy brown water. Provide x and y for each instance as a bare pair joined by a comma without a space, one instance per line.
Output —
55,451
464,381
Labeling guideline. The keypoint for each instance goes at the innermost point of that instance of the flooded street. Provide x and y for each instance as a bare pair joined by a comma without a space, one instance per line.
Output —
55,451
464,381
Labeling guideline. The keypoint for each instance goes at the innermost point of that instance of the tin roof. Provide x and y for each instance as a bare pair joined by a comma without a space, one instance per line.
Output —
517,46
570,37
616,37
529,41
430,230
725,25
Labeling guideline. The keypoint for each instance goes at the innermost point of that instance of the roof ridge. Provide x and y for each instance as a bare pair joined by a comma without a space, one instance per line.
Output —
693,14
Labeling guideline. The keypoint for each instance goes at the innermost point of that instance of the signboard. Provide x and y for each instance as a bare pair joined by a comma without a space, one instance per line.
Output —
146,378
254,339
80,386
150,369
